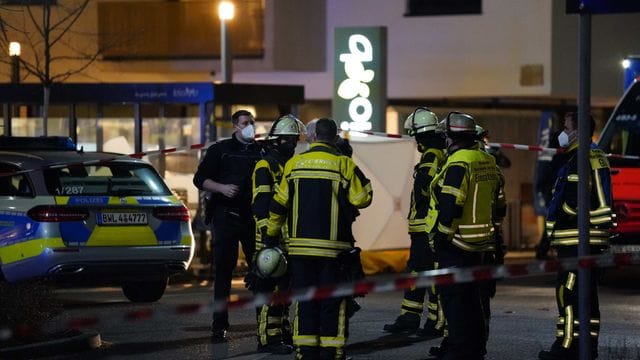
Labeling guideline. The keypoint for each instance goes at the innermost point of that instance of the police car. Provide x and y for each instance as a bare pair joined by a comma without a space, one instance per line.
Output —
88,218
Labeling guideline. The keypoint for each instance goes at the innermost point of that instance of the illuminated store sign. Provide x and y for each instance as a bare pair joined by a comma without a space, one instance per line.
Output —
360,78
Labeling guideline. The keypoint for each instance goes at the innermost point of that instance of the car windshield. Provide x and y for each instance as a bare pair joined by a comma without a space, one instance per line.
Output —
114,179
621,135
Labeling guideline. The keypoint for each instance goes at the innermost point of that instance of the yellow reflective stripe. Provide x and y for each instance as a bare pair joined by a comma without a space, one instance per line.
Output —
573,177
305,340
600,211
262,324
568,330
295,210
262,189
599,189
568,209
576,241
313,252
475,201
274,332
487,246
332,342
333,230
474,226
342,322
418,228
418,306
571,281
274,320
414,222
444,229
452,191
319,243
316,174
600,220
27,249
260,223
574,232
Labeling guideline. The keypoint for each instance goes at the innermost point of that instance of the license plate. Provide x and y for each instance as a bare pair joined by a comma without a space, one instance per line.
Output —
122,218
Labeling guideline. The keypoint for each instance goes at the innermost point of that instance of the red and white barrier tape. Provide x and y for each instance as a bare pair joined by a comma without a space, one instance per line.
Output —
402,282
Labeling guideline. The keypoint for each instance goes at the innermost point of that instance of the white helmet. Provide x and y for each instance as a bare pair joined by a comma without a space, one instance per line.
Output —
421,120
286,125
271,263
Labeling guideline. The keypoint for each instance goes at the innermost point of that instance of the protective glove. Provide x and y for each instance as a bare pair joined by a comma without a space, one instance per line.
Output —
251,281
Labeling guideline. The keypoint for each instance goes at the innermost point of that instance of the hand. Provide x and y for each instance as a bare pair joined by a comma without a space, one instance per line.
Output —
251,281
229,190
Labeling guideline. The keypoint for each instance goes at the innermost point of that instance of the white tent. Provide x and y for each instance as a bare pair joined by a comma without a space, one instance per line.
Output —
388,163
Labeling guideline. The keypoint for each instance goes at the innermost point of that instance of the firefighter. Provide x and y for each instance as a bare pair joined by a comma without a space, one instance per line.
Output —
421,124
225,172
460,222
562,229
496,257
318,189
274,330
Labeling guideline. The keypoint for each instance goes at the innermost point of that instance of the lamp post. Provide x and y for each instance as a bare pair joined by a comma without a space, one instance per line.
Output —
225,13
14,53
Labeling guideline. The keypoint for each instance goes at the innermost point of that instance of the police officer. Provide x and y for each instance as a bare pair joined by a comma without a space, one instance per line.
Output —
226,172
460,220
274,330
421,124
562,229
318,188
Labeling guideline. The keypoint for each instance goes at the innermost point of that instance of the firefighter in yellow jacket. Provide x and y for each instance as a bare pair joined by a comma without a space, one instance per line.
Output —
318,190
274,330
460,221
421,124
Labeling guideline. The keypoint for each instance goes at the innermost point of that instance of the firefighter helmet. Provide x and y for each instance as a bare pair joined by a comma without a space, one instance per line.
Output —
271,263
421,120
459,124
286,125
481,132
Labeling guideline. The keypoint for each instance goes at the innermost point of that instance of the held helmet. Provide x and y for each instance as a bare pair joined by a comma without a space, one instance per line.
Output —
286,125
459,124
271,263
421,120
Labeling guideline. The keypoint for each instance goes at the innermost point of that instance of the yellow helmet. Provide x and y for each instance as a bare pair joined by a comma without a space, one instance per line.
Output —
421,120
286,125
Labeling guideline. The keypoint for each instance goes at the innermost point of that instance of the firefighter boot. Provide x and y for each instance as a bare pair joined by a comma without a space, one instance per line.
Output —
405,323
429,331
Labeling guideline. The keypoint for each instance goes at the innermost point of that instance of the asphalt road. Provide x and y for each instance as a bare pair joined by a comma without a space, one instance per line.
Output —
523,323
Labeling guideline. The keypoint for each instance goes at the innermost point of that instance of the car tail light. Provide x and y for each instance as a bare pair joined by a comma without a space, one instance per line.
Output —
174,213
57,213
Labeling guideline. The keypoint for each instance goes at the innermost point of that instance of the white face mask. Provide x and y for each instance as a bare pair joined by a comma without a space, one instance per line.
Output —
563,139
248,133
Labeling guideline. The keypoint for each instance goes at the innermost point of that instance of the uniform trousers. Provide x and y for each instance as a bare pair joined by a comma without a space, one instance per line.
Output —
229,228
320,326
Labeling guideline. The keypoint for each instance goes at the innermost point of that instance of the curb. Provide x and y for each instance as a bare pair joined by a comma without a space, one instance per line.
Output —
69,342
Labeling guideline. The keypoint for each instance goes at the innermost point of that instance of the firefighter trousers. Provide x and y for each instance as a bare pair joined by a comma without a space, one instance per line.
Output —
320,326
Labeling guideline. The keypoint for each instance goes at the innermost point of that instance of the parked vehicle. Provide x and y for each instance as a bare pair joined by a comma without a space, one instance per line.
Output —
88,218
621,138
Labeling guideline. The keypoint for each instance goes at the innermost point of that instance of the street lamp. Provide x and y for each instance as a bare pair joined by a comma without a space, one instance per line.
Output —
14,53
225,13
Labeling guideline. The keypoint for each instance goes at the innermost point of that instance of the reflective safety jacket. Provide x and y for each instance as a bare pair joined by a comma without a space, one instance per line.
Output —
266,177
316,195
464,197
562,217
423,173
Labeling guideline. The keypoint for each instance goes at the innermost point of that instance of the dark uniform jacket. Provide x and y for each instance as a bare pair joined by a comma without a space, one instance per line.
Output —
266,177
318,190
230,162
562,217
